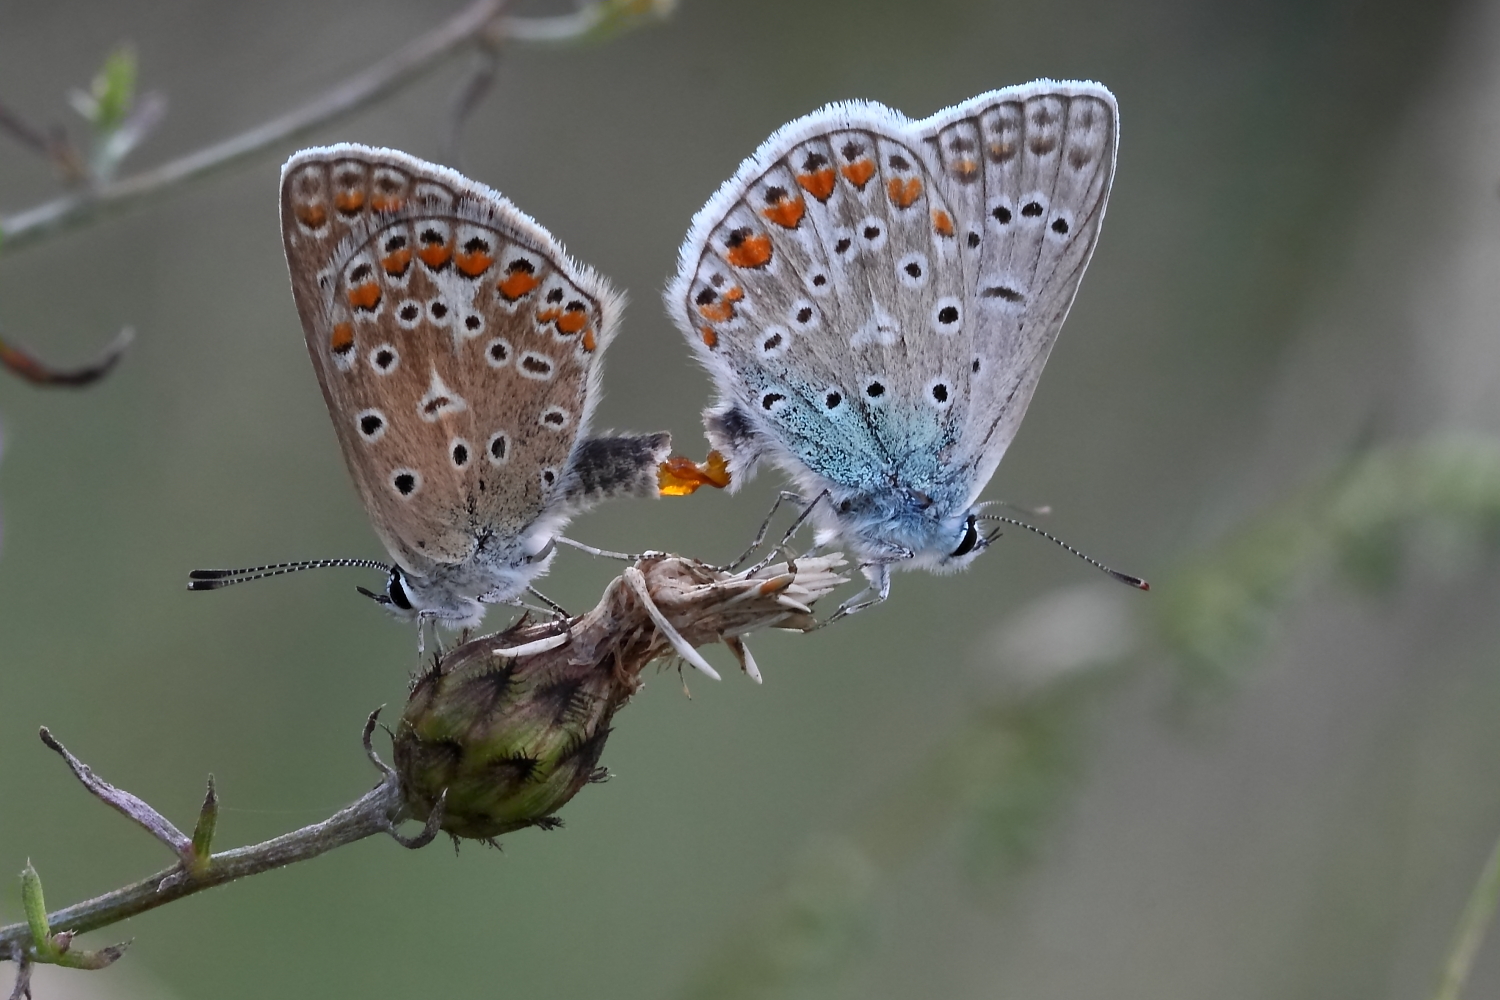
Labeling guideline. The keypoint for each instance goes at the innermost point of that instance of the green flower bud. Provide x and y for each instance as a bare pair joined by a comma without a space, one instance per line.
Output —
509,739
506,740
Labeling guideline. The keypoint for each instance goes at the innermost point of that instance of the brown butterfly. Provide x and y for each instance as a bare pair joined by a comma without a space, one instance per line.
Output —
458,347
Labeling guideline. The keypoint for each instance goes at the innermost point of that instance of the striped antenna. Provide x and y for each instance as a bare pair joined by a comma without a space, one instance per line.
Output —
1126,578
218,579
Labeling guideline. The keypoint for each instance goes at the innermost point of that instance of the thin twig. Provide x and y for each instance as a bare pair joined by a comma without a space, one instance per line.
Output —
1471,929
376,811
356,92
31,368
22,989
53,144
130,806
470,93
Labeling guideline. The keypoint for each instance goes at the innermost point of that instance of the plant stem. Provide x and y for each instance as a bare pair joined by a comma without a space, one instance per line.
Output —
359,90
1471,929
372,813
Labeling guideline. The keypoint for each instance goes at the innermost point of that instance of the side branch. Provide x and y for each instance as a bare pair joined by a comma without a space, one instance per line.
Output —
359,90
377,811
23,363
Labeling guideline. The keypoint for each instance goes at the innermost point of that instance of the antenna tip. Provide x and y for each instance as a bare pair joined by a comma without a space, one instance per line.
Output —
1133,581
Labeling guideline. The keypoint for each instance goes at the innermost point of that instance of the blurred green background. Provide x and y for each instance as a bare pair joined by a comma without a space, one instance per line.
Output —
1276,397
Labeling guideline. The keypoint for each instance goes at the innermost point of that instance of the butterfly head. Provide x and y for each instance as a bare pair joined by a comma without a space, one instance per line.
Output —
910,528
409,598
971,542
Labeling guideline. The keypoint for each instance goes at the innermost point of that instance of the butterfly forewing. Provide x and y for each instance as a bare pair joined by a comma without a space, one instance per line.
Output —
455,342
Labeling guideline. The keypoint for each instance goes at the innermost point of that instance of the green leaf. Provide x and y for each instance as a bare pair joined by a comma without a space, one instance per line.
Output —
113,89
36,909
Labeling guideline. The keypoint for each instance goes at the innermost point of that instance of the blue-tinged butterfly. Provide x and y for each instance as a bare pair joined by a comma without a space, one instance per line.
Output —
875,299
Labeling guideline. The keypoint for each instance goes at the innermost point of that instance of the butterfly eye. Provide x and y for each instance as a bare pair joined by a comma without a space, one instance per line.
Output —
397,593
969,541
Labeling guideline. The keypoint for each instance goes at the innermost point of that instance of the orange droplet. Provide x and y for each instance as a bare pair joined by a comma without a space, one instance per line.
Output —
717,470
396,263
680,476
589,343
786,213
709,337
819,183
749,251
572,321
343,337
366,296
312,216
349,202
435,255
859,172
516,284
942,222
903,193
474,264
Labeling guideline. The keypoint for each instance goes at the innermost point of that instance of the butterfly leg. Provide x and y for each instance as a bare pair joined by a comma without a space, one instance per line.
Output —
424,621
558,611
760,536
879,576
781,546
605,553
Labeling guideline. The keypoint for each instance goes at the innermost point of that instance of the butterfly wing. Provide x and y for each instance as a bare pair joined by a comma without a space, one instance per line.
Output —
867,314
1027,172
456,343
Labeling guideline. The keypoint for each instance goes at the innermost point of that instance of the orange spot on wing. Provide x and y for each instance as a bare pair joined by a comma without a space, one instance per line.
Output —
749,251
942,222
395,264
349,202
721,310
965,170
366,296
312,216
903,193
680,476
709,337
786,213
589,343
545,316
516,284
343,337
435,255
859,172
386,202
1002,151
474,264
573,321
819,183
